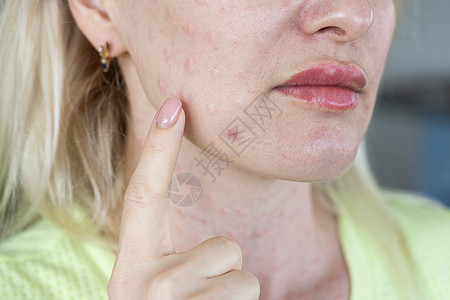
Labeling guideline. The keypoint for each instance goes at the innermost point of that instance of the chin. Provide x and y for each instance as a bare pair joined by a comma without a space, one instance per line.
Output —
307,164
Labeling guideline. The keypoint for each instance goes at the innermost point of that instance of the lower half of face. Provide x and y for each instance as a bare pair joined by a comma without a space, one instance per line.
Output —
228,62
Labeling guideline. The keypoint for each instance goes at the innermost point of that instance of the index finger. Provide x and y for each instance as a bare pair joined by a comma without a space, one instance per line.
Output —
145,225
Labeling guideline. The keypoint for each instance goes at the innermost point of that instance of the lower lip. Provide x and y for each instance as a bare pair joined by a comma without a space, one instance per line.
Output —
328,97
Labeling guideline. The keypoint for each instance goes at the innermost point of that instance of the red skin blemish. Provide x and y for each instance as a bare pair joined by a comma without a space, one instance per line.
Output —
212,39
188,65
232,133
189,28
162,84
201,2
170,12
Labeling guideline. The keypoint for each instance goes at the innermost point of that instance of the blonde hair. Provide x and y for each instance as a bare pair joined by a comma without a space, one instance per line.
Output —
63,128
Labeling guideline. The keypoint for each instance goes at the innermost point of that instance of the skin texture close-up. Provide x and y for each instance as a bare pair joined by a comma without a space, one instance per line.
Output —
217,57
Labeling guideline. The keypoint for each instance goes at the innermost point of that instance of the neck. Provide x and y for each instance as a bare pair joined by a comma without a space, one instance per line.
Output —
288,239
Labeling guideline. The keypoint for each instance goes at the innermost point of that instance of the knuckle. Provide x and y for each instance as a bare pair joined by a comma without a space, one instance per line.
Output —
139,193
155,147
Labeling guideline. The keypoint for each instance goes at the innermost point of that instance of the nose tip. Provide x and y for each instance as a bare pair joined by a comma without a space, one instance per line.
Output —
342,20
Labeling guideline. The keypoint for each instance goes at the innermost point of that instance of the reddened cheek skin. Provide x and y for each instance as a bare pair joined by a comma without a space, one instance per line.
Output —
217,55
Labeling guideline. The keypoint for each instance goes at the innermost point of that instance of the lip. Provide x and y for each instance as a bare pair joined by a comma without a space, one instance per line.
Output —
329,86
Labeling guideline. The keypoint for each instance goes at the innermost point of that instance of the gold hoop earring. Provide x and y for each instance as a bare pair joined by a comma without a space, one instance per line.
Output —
105,58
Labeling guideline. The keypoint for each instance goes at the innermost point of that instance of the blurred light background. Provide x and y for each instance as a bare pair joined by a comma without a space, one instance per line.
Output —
408,140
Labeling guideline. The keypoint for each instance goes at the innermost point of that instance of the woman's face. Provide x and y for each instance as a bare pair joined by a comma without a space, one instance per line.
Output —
224,59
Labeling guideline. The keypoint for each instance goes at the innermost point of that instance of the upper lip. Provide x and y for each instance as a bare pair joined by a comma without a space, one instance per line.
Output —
346,76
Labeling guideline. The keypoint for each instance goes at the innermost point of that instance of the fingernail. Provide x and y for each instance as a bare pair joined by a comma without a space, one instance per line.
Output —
168,114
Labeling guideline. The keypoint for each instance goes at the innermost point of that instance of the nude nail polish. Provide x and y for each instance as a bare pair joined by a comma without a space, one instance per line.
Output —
169,112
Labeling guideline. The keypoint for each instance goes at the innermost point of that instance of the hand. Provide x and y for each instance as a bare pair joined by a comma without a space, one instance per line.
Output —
147,266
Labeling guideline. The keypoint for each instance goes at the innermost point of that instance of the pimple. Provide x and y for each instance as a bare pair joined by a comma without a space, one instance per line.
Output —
232,134
212,38
224,210
189,28
171,12
228,8
201,2
168,54
250,8
179,211
188,65
162,84
240,212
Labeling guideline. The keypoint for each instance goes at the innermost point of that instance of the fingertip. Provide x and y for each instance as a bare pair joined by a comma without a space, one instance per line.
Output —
169,112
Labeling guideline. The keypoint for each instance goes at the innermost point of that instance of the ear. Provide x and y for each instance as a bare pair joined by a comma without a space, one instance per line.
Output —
94,22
